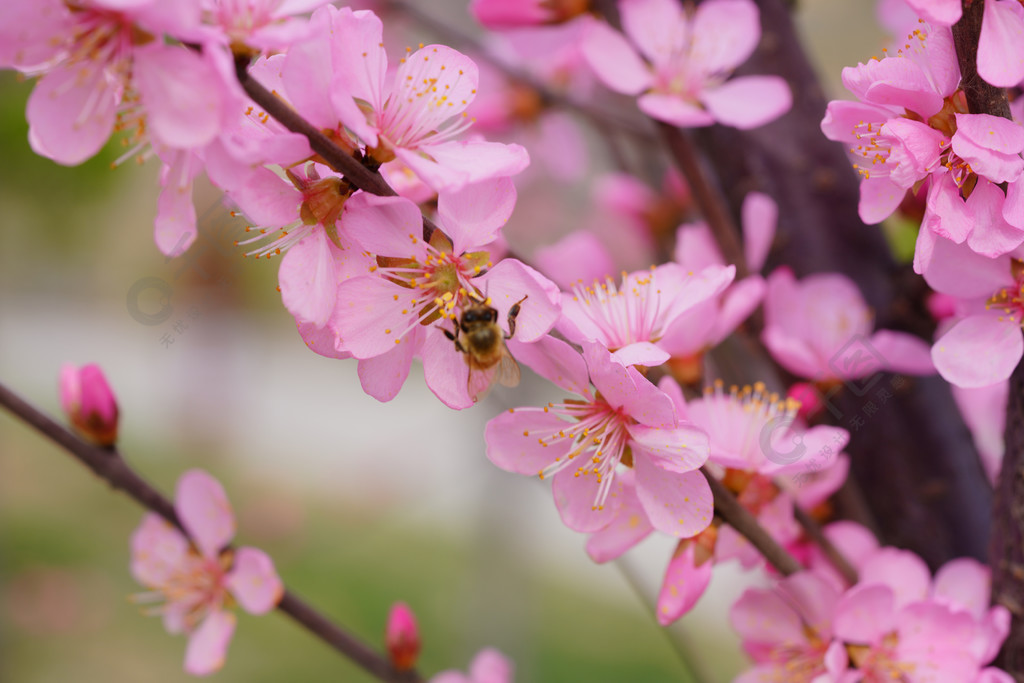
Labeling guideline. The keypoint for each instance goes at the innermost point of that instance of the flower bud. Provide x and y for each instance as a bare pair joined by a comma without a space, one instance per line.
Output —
809,399
402,638
89,403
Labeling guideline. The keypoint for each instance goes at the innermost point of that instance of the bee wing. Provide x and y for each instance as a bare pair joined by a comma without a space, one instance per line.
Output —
507,370
480,381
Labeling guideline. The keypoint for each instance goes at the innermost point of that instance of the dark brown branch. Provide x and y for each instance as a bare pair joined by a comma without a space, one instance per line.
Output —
982,98
911,457
710,201
344,163
815,533
108,465
739,518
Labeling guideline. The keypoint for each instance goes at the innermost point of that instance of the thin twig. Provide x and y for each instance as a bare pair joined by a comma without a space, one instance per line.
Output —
344,163
108,465
739,518
815,533
710,201
982,98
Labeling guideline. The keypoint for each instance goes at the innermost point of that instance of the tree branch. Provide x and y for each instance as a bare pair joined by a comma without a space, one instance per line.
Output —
108,465
739,518
344,163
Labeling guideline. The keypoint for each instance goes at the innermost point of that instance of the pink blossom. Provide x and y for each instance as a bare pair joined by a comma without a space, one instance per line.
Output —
686,577
261,24
625,422
787,631
198,576
820,328
632,317
414,117
689,58
489,666
984,344
89,403
402,638
388,316
708,324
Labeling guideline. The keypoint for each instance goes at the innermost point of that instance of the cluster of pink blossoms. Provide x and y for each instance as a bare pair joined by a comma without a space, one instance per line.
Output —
366,277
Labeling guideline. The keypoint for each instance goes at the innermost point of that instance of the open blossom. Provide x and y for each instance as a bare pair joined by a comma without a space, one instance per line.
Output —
787,631
418,289
912,124
199,579
984,344
489,666
709,323
690,56
413,117
625,421
631,318
820,328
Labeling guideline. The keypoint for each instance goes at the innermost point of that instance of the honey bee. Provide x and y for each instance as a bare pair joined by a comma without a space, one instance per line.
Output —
482,342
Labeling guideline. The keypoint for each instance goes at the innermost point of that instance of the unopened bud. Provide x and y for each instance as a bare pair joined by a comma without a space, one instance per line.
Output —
403,637
89,403
809,399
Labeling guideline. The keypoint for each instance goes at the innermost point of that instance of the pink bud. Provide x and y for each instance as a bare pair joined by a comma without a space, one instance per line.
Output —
809,398
403,637
89,403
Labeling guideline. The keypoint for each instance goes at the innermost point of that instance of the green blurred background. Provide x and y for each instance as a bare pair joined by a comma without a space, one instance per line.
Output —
360,504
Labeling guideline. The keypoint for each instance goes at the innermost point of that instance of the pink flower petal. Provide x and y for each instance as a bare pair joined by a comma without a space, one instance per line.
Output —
71,113
254,582
370,320
204,511
383,376
748,101
513,440
984,412
159,551
992,235
555,361
903,352
208,644
725,33
625,388
183,96
472,216
676,504
490,666
902,571
765,617
879,197
1001,44
683,585
991,145
641,353
452,165
308,73
760,215
957,270
675,110
679,449
979,351
575,492
308,280
629,527
359,58
696,248
446,371
738,302
658,28
386,226
864,614
267,199
613,59
580,256
964,583
939,12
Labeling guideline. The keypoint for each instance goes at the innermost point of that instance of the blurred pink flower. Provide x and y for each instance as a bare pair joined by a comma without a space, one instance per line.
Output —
820,328
89,403
197,577
489,666
690,56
